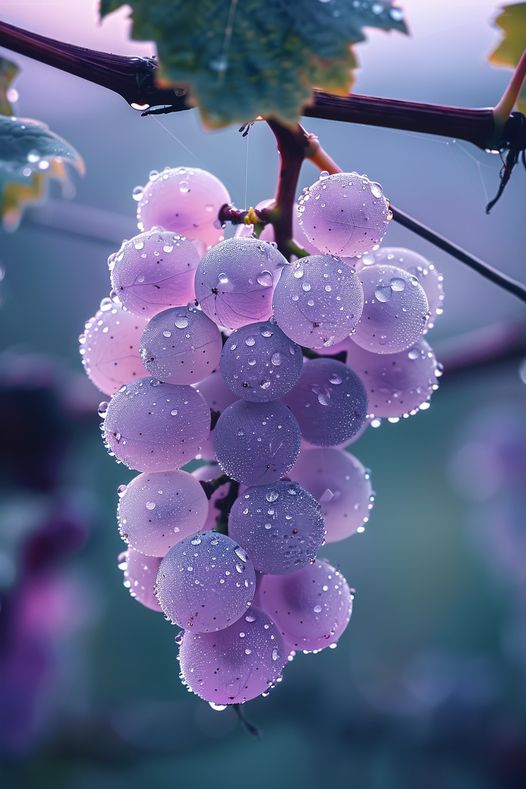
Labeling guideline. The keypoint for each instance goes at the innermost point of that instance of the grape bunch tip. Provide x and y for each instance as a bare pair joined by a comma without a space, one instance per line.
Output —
201,349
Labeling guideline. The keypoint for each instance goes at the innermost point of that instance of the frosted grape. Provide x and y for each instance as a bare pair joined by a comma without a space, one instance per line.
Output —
424,271
235,280
185,200
311,607
158,510
236,664
397,384
140,574
109,347
395,310
342,486
267,234
279,525
181,345
329,402
260,363
318,301
153,271
206,582
207,473
344,214
256,443
151,426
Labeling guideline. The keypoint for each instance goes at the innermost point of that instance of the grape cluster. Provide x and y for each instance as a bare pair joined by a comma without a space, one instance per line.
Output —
265,371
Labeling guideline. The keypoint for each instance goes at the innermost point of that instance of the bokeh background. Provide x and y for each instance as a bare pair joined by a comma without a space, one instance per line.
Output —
428,686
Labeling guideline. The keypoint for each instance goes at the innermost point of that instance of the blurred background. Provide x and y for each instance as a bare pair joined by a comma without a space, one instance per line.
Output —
428,685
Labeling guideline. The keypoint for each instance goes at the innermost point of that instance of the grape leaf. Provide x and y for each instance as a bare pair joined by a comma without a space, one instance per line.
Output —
512,21
30,156
8,72
256,57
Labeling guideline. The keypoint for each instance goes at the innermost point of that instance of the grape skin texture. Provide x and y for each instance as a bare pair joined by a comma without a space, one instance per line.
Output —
279,525
425,272
342,486
318,301
234,281
344,214
397,384
311,607
236,664
329,402
256,443
185,200
205,582
395,310
181,345
158,510
151,426
140,574
260,363
153,271
109,347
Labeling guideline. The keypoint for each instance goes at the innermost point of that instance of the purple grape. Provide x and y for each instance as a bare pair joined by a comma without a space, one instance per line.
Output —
158,510
181,345
207,473
395,311
185,200
256,443
206,582
151,426
236,664
279,525
153,271
260,363
344,214
397,384
341,485
109,347
318,301
235,280
424,271
311,607
329,402
140,574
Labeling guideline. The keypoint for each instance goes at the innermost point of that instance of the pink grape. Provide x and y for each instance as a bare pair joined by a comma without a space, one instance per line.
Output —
109,347
344,214
395,310
151,426
397,384
158,510
318,301
329,402
205,582
153,271
424,271
260,363
341,485
186,200
279,525
256,443
140,574
181,345
235,280
311,607
236,664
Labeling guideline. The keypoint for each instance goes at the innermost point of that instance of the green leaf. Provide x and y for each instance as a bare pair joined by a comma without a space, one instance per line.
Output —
30,156
8,72
512,21
256,57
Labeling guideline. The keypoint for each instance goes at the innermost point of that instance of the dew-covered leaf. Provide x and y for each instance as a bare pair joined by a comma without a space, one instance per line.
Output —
30,156
8,72
243,59
512,21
